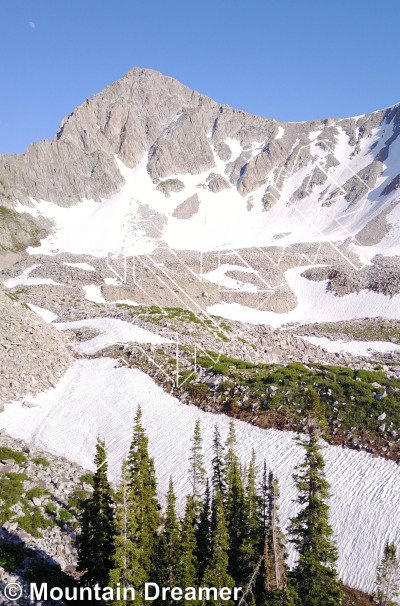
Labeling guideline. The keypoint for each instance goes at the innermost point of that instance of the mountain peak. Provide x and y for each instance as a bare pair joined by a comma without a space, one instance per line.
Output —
146,116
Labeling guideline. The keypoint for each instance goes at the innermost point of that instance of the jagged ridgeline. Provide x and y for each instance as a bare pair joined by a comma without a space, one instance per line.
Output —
186,133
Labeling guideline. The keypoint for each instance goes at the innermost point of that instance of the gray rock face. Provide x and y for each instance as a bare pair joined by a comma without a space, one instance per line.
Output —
184,132
272,155
384,277
188,208
392,186
170,185
18,231
223,150
126,119
180,152
217,184
359,184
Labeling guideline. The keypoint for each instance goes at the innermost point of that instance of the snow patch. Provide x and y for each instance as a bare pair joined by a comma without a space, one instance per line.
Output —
112,281
218,276
24,279
93,293
84,266
354,348
112,331
47,315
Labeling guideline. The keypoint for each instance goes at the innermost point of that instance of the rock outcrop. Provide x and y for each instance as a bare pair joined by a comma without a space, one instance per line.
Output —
33,355
180,129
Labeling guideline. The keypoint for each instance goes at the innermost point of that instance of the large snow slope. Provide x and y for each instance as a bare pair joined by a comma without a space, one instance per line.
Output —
124,223
314,304
96,398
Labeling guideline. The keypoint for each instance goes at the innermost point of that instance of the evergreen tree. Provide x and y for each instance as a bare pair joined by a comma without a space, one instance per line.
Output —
218,462
230,457
196,469
387,579
168,552
142,482
251,548
203,533
127,570
289,596
274,551
315,575
216,573
96,544
264,500
234,501
187,561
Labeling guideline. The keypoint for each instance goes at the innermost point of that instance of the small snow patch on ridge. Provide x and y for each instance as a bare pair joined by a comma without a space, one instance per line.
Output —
24,279
83,266
47,315
93,293
112,332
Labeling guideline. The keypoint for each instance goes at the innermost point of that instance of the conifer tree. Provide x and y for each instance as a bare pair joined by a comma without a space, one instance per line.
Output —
233,503
264,499
274,551
218,482
251,548
315,575
203,533
230,457
216,573
127,570
142,482
197,472
187,561
96,544
387,579
168,552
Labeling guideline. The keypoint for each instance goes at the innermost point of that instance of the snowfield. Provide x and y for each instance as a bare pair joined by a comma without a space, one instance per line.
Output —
354,348
314,304
111,331
96,398
124,223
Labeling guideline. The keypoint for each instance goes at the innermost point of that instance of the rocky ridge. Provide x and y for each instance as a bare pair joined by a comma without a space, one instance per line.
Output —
181,132
33,355
382,277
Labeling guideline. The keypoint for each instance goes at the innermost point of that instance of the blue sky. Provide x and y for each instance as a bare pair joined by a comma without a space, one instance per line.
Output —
289,60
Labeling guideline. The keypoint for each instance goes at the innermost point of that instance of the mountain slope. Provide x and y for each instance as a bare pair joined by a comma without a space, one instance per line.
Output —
194,161
33,355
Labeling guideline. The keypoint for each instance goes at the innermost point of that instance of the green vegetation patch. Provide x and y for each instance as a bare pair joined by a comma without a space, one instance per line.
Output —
34,521
87,478
7,453
351,400
41,461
